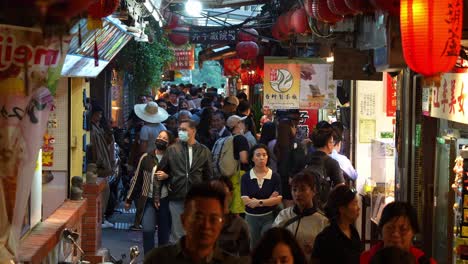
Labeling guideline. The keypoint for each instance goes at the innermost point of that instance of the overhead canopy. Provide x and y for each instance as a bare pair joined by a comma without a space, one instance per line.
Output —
110,39
224,3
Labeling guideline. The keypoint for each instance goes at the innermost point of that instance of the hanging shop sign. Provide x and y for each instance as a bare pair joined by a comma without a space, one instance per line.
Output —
184,58
391,95
213,36
298,83
449,100
307,122
29,70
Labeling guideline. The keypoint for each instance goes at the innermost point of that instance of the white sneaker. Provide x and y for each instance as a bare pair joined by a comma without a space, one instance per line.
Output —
107,224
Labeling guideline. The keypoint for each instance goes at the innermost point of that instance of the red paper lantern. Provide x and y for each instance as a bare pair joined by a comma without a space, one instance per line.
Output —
322,12
339,7
391,6
102,8
360,6
173,20
283,24
248,34
179,36
430,34
247,50
299,21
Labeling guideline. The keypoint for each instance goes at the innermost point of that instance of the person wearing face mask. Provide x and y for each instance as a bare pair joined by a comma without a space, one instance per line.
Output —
184,164
152,207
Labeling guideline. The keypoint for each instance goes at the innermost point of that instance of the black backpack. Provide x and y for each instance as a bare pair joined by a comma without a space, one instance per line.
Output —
316,164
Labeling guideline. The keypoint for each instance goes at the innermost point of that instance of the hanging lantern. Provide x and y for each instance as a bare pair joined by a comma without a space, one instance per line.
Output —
99,10
179,36
339,7
173,20
322,12
430,34
283,24
247,50
391,6
248,34
360,6
299,21
275,32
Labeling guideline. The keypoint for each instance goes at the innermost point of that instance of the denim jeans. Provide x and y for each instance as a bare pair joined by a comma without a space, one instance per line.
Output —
177,230
257,226
152,217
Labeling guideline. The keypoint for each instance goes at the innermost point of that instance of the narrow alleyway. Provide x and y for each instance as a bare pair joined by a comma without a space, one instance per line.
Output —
120,238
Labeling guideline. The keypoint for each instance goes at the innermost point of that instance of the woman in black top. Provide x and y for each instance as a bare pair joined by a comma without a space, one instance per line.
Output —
340,241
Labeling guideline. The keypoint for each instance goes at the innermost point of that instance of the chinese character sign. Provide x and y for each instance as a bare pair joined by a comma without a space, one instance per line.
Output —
448,100
214,36
281,84
29,70
184,59
318,89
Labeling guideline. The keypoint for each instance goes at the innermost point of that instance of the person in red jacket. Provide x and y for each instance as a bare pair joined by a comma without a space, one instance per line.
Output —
398,226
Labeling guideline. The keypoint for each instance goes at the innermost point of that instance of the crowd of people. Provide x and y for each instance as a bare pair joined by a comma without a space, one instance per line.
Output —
218,188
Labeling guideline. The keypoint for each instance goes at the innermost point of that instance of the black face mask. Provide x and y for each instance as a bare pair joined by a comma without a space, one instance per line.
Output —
161,144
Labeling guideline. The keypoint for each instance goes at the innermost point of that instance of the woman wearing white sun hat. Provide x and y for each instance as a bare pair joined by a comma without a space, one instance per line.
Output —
153,115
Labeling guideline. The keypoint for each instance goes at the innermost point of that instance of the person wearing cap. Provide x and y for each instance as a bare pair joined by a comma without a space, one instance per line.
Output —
153,115
236,126
243,109
230,106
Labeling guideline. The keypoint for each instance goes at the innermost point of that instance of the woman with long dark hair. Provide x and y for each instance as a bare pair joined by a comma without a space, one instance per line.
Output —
152,206
268,138
291,156
278,246
340,241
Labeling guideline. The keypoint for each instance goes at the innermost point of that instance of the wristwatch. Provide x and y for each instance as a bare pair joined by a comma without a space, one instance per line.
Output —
260,202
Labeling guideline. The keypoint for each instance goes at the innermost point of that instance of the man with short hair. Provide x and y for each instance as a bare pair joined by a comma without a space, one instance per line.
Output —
173,105
203,220
185,163
243,109
218,126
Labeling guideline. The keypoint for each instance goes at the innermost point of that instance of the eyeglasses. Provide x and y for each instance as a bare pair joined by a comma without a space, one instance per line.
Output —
212,219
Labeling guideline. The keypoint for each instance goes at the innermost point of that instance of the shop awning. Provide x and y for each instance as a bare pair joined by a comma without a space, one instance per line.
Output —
110,39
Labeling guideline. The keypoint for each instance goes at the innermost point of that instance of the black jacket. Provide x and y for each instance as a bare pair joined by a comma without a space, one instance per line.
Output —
182,176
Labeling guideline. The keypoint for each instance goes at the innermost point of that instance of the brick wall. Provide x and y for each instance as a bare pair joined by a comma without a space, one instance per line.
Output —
92,232
36,246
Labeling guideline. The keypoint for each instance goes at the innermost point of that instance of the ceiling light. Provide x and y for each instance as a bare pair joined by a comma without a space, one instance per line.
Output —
193,8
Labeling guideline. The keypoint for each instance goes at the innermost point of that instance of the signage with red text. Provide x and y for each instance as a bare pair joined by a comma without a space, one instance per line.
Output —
449,100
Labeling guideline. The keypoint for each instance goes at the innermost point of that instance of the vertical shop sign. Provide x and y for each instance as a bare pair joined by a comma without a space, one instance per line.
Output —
184,58
426,103
29,69
449,99
391,96
308,120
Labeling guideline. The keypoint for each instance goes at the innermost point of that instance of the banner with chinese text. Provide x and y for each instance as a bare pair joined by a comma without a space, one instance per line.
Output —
214,36
448,101
298,83
29,70
184,58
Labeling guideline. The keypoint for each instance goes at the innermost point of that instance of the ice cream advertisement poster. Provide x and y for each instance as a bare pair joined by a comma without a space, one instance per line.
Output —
298,83
29,69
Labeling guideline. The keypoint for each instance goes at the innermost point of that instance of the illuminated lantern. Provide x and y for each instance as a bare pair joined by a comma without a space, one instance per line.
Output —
247,50
299,21
322,12
391,6
248,34
99,10
360,6
179,36
339,7
430,34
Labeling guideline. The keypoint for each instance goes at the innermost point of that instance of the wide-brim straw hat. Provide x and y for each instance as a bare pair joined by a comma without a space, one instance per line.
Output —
151,112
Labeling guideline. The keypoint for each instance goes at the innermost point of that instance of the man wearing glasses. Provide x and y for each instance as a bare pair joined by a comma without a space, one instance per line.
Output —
202,220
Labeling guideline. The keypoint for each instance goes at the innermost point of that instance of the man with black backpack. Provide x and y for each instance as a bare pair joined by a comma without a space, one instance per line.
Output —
328,170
